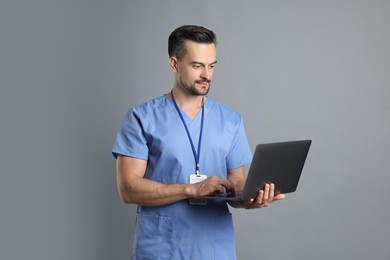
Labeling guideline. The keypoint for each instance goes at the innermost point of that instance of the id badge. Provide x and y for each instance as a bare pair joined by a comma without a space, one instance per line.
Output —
195,179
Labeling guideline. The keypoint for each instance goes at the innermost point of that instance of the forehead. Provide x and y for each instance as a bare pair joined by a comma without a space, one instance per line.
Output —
200,52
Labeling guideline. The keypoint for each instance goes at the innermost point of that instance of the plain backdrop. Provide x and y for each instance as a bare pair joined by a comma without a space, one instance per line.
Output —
69,71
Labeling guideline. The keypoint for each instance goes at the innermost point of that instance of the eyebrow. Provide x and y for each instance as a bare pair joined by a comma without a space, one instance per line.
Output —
201,63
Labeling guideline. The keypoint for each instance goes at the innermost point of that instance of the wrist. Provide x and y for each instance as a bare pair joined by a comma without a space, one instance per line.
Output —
190,191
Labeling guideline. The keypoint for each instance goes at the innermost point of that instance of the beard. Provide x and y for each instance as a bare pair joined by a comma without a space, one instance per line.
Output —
202,91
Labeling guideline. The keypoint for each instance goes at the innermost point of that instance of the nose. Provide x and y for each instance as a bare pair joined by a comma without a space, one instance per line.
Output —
206,73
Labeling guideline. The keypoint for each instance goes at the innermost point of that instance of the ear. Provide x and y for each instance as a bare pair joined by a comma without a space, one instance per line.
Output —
173,63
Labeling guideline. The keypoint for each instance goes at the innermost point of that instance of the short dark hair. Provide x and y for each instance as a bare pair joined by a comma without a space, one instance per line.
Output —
194,33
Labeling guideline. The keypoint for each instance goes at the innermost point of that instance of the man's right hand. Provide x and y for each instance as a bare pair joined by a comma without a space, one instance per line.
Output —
210,186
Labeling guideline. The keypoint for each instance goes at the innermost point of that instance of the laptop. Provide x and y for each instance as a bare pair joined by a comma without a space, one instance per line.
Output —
279,163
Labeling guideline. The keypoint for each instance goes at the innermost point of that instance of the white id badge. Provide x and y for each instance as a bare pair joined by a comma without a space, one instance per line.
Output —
194,179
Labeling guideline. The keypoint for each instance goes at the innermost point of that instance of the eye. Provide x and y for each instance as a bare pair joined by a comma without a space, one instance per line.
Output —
195,66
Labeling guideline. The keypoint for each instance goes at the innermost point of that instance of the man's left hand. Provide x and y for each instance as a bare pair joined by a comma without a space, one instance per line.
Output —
264,197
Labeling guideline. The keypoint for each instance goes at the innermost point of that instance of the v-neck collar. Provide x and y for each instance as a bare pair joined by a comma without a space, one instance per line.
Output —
187,119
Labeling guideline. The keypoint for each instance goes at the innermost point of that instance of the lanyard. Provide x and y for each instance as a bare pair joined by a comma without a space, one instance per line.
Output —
196,154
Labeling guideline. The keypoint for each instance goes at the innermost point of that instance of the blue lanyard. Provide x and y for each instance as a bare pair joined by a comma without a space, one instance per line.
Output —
196,154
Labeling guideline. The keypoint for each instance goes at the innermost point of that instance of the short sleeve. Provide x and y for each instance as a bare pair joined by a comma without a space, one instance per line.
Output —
130,139
239,152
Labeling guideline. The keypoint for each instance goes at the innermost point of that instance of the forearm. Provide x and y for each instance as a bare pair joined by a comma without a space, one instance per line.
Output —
237,177
151,193
135,189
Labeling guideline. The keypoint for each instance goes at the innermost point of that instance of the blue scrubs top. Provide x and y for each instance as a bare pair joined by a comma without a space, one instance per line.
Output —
153,131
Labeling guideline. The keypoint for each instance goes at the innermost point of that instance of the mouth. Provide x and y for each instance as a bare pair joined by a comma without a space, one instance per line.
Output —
203,83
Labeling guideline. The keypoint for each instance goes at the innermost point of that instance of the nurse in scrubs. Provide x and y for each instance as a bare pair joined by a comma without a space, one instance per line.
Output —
174,149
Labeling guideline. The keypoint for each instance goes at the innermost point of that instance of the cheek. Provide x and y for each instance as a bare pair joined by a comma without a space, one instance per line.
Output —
191,75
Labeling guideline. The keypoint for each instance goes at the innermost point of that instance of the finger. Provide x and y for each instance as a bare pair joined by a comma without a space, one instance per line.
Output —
272,189
266,194
207,187
228,185
219,186
271,193
259,199
258,202
279,197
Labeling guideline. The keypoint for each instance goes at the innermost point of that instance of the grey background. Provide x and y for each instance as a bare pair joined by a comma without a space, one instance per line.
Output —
69,70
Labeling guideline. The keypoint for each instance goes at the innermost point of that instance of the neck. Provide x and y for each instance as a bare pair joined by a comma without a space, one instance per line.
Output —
190,104
188,101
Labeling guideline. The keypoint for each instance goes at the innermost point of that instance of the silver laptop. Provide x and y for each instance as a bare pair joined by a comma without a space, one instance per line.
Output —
279,163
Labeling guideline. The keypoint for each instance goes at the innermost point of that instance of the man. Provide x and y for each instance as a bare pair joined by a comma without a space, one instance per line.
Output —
173,150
